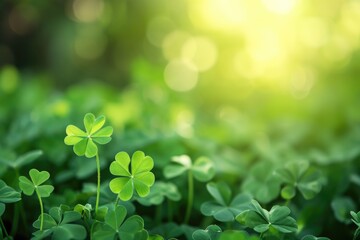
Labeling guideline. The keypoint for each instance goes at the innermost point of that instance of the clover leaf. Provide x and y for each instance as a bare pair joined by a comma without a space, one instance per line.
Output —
37,179
212,232
341,207
60,225
116,227
261,220
160,191
137,176
84,142
237,235
356,220
295,175
224,208
7,195
261,182
202,169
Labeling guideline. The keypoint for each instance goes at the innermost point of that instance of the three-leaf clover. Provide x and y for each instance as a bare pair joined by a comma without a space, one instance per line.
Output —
356,220
7,195
84,142
135,176
295,175
224,208
159,191
202,169
35,184
261,182
60,225
116,227
212,232
261,220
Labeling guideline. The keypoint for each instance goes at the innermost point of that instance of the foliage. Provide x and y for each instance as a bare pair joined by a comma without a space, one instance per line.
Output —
135,177
212,232
224,208
262,220
7,195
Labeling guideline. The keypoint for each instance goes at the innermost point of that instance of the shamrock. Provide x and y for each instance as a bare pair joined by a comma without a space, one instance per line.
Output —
158,192
59,224
84,141
116,227
7,195
296,175
137,176
202,170
261,220
261,182
35,184
212,232
237,235
224,208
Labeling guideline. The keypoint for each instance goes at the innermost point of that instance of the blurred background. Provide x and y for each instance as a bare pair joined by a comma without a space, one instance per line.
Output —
240,80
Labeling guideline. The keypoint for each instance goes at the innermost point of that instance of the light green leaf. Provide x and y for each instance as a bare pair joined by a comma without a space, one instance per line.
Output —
72,130
106,132
45,190
115,218
89,120
26,185
80,147
172,171
38,177
203,169
91,149
97,124
120,167
183,160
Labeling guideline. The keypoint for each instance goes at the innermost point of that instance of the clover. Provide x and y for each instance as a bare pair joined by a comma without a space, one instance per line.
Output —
60,224
311,237
84,142
160,191
35,185
116,226
262,220
224,208
135,176
202,170
212,232
296,175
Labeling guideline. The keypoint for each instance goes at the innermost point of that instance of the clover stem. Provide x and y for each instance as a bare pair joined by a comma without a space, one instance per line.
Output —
98,183
190,197
41,210
3,227
117,201
261,235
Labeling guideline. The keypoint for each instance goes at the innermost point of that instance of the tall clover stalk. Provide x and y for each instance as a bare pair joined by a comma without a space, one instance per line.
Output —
85,142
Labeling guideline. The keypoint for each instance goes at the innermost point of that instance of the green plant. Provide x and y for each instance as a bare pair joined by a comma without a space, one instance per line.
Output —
35,185
212,232
116,226
202,170
136,176
262,220
224,208
7,195
60,224
310,237
295,175
84,142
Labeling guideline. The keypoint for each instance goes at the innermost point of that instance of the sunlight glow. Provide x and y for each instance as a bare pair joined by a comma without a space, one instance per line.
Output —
279,6
180,76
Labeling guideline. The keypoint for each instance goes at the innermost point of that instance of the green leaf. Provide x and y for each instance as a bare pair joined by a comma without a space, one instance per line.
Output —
38,177
310,237
212,232
45,190
26,185
223,208
138,178
260,219
84,142
288,192
8,194
115,218
341,207
237,235
203,169
158,192
172,171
